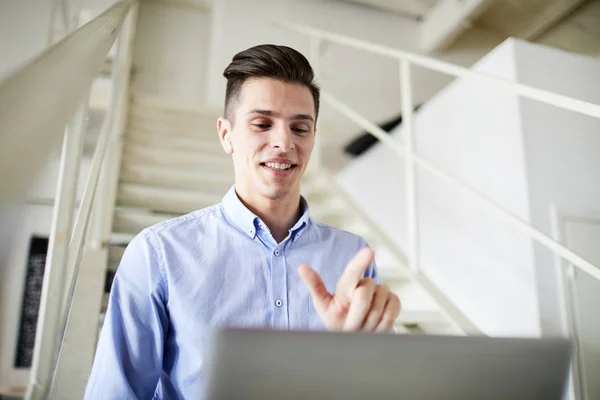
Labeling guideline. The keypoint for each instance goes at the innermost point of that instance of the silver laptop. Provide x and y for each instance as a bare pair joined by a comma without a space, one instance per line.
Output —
255,364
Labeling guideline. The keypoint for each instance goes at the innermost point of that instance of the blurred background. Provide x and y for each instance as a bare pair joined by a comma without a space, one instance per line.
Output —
461,138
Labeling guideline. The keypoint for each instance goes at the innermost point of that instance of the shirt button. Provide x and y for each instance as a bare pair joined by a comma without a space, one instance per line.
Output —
277,252
278,303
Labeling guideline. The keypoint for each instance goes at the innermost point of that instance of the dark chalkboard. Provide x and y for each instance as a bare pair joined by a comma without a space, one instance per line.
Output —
36,263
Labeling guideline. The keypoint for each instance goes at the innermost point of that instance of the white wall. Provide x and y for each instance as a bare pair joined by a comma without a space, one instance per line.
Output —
563,153
27,23
474,133
170,53
31,220
525,155
25,28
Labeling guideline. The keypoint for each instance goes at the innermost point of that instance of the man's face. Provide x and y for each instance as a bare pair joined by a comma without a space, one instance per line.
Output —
271,138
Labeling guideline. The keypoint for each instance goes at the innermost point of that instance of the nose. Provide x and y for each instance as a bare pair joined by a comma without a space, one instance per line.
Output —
282,138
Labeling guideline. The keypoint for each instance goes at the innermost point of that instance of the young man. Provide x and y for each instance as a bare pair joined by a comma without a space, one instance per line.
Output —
255,260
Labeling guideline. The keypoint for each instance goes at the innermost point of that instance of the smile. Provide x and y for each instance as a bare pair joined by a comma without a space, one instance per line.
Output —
278,166
279,169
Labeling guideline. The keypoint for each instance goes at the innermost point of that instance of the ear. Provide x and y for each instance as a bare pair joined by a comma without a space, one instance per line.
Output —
224,129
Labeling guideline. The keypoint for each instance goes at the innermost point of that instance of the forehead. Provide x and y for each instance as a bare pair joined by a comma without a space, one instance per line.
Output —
275,95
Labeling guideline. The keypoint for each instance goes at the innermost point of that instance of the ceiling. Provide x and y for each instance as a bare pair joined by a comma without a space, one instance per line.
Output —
579,33
409,8
572,25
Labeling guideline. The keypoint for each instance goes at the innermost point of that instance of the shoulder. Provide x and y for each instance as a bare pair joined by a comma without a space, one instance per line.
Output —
182,224
153,244
329,232
175,230
343,244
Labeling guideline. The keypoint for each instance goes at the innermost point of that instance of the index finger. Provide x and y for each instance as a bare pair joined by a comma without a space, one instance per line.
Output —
355,271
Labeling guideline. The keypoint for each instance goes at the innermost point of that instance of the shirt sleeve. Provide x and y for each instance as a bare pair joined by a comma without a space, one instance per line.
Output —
128,361
371,271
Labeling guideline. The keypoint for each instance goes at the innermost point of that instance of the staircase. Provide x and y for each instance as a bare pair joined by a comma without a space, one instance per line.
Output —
173,164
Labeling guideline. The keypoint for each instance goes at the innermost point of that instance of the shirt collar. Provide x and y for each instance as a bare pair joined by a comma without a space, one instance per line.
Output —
247,221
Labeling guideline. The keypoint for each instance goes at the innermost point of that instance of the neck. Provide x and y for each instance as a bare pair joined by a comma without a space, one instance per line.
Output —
279,214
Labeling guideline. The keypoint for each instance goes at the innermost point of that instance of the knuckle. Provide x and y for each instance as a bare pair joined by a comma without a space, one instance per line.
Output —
367,282
362,293
382,290
395,301
367,285
388,320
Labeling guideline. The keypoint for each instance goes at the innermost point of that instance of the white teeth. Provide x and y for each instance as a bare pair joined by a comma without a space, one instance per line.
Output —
281,167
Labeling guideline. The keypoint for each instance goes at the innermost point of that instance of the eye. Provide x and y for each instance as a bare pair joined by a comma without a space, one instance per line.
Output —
301,130
261,124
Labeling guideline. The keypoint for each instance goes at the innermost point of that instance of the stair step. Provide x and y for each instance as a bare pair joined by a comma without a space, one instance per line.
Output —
329,216
115,253
133,221
385,257
177,159
175,117
161,103
104,305
410,292
196,131
416,316
176,178
120,239
391,273
175,143
171,201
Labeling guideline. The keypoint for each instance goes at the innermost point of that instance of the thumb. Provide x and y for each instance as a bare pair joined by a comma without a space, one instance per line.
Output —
321,297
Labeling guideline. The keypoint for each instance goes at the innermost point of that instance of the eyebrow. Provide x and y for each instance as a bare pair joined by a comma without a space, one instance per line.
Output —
270,113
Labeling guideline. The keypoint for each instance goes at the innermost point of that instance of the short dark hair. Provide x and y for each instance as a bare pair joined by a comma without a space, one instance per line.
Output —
268,61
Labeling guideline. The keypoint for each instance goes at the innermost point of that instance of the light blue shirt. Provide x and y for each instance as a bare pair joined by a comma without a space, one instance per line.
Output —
214,267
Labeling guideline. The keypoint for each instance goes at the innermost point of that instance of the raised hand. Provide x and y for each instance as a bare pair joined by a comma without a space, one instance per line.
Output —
358,304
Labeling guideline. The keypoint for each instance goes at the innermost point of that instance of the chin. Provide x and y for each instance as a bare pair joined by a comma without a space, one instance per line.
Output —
274,192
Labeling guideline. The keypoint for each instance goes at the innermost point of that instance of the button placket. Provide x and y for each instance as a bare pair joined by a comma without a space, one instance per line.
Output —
279,289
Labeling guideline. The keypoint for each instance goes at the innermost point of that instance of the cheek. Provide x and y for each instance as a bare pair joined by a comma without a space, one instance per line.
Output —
307,148
250,146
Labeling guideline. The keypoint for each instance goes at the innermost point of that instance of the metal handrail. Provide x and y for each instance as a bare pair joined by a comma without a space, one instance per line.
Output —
454,316
543,96
400,149
28,98
405,58
68,68
105,163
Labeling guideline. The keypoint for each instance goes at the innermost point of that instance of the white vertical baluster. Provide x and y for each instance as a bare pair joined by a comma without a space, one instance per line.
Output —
410,174
54,275
315,59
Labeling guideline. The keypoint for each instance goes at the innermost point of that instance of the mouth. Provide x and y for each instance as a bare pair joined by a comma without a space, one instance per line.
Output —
279,167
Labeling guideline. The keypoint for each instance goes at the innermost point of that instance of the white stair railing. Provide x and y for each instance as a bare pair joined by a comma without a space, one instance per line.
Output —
35,104
406,59
32,117
412,160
